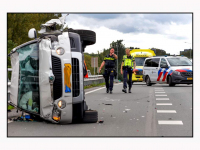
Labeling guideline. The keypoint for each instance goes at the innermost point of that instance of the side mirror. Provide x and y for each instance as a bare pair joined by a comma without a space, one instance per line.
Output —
32,33
164,66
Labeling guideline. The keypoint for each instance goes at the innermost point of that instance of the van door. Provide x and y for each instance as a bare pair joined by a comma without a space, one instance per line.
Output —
147,68
163,70
155,69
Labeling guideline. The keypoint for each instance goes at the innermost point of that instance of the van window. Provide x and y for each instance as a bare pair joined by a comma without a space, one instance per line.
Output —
147,63
139,61
155,62
179,61
163,62
28,93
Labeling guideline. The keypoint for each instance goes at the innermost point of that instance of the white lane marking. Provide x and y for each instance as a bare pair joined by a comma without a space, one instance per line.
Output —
163,103
162,99
100,89
167,122
95,90
159,92
161,95
166,111
158,88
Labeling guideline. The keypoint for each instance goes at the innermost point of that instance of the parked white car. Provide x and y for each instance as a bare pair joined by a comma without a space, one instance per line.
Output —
167,69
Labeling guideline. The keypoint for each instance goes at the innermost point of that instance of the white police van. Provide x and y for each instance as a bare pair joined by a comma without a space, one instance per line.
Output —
167,69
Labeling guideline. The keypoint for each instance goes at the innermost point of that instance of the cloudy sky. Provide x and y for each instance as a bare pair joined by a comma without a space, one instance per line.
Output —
164,31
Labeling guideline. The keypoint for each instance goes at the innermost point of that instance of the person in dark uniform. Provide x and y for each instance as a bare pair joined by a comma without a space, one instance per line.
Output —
109,62
128,66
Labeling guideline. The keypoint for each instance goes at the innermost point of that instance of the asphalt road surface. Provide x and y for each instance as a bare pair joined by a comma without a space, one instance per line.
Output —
157,110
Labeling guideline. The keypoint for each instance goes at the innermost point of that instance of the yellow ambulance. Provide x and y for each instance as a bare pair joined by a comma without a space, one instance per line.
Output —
140,55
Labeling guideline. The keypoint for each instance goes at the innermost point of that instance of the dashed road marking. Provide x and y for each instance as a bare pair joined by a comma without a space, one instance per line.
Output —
167,122
159,92
162,99
166,111
161,95
163,103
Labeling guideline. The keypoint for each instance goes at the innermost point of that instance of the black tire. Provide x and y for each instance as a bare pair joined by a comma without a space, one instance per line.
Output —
88,37
90,116
132,82
170,81
148,81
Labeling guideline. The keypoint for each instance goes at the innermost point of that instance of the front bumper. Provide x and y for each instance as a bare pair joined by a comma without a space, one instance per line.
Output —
137,78
178,79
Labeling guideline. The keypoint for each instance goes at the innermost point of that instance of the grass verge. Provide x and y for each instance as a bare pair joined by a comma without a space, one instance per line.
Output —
94,85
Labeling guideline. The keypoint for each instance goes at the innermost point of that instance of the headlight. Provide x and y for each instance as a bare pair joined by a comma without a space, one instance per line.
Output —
56,114
61,104
176,72
60,51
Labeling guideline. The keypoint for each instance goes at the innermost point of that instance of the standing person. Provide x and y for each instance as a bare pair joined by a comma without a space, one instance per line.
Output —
127,68
109,62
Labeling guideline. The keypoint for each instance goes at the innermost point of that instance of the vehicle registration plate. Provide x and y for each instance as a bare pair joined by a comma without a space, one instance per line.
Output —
189,78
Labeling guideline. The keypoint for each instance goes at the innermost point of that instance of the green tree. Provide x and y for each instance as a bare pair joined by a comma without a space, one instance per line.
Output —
187,54
19,25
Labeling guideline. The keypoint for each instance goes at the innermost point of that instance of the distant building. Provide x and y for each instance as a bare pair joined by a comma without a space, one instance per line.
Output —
185,50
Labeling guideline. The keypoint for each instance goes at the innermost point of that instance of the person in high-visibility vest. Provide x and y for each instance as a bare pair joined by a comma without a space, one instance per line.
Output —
127,68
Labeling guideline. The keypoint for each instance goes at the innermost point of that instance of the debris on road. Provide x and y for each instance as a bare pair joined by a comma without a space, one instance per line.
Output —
101,121
108,104
148,101
125,111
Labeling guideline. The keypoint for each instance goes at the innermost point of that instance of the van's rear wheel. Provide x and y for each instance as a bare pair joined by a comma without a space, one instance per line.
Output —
170,81
88,37
90,116
148,81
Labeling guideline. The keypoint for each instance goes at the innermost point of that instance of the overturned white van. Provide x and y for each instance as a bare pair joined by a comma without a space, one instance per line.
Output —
47,78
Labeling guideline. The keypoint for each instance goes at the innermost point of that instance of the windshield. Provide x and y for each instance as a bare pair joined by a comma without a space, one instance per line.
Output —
139,61
28,93
179,62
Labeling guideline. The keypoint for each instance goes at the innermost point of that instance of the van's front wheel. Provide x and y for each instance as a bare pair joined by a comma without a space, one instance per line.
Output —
170,81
